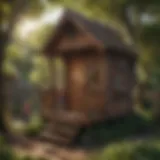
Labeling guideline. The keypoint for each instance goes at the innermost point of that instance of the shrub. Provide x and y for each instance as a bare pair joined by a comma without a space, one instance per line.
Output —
129,151
116,130
34,127
6,153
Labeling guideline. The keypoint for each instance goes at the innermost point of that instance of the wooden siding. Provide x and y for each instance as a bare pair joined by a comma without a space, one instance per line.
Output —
94,98
76,81
98,84
84,95
100,99
120,101
80,40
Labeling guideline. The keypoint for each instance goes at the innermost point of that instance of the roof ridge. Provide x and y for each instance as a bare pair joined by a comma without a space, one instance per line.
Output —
107,34
70,13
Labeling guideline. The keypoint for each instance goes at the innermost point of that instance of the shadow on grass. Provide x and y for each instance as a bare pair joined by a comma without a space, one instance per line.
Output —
129,151
132,126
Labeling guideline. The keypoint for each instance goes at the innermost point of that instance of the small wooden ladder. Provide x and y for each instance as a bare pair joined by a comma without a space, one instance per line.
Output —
63,127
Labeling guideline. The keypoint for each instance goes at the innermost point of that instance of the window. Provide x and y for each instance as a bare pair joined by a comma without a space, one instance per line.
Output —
93,76
123,65
122,76
119,82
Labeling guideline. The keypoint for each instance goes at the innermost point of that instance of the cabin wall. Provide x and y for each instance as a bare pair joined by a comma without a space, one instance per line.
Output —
76,38
121,86
101,86
98,85
95,95
87,85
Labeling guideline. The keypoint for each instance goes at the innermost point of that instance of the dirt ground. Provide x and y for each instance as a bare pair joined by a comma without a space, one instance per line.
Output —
35,148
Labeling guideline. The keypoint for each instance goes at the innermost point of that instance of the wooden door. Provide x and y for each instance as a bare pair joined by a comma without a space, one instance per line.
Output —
87,85
76,81
95,94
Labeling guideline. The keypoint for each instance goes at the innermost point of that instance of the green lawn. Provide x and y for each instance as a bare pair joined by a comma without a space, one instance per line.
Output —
148,149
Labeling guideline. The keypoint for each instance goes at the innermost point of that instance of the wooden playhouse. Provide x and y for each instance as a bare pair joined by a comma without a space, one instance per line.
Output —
97,78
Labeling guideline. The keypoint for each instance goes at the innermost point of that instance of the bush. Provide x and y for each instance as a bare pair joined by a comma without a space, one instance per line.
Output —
34,127
32,130
116,130
6,153
129,151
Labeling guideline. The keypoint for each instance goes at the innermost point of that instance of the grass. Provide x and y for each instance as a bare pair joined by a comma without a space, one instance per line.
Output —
34,127
6,153
130,150
119,129
30,128
136,137
124,138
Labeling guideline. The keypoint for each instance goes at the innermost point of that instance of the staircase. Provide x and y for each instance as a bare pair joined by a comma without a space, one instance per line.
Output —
63,127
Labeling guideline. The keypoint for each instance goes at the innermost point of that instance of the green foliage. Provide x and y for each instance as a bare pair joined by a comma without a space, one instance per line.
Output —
151,34
39,37
2,141
40,75
154,80
9,69
7,153
13,53
31,128
34,127
116,130
130,151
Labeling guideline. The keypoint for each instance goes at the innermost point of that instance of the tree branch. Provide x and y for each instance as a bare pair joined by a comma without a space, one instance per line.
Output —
127,21
133,25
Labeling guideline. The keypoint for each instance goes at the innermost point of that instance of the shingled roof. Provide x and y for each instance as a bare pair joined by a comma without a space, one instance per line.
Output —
109,36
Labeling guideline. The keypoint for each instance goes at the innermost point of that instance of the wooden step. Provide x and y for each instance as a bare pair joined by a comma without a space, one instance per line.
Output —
71,117
66,125
49,127
59,134
67,122
63,127
66,132
55,138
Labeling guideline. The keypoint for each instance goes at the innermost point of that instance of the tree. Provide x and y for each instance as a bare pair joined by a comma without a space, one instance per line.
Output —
10,12
40,75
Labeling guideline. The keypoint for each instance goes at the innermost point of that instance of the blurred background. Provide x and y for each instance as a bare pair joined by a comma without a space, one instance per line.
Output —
26,25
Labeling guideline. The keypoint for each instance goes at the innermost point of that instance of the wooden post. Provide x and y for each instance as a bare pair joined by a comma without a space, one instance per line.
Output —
51,67
60,80
52,87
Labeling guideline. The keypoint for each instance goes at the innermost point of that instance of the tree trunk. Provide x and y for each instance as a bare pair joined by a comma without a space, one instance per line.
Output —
17,6
3,126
